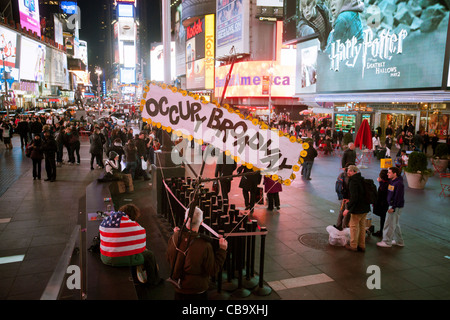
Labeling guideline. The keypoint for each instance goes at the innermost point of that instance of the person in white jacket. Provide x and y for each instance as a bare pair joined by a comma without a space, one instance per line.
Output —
376,143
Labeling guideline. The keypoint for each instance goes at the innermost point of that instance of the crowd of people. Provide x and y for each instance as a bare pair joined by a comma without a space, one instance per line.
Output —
352,192
56,140
43,138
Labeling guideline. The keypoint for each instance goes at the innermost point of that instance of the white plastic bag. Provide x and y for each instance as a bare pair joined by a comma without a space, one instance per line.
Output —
338,238
144,164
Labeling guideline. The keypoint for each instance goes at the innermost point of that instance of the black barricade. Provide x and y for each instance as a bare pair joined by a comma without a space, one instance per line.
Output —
237,276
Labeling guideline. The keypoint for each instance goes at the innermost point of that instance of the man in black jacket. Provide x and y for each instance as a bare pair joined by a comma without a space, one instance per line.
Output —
309,161
349,155
225,167
49,148
22,130
36,127
358,207
141,145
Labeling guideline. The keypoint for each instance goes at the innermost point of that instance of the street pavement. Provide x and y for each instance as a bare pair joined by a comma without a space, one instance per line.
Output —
37,219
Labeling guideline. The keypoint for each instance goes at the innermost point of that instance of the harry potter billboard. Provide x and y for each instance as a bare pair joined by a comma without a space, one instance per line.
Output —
372,46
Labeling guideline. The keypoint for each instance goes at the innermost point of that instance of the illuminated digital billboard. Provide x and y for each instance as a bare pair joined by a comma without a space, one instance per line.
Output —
125,10
29,15
370,47
32,60
200,54
251,78
232,27
127,75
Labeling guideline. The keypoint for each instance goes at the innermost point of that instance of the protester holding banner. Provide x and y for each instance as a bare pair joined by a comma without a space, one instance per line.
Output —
224,168
249,185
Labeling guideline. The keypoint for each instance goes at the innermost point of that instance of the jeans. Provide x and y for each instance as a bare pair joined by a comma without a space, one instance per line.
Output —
131,168
59,153
307,167
342,222
99,159
23,139
225,186
50,167
273,198
249,198
391,230
358,230
74,150
37,168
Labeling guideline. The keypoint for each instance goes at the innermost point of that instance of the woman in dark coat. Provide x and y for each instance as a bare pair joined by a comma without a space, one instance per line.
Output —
96,148
249,185
37,155
381,206
273,189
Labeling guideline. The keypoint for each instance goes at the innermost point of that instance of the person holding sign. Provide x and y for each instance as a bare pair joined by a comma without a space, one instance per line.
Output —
224,168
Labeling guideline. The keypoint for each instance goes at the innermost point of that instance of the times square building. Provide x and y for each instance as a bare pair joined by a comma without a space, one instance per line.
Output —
389,64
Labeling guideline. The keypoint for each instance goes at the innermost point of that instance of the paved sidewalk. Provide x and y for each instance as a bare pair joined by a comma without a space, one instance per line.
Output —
300,264
37,218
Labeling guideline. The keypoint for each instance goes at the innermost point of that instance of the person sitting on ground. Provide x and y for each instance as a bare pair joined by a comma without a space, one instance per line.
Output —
111,168
123,243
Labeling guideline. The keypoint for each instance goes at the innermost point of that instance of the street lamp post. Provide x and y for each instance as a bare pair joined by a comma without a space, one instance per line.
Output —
6,83
98,71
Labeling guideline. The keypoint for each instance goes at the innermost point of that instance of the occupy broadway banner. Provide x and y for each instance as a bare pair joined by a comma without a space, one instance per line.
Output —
247,140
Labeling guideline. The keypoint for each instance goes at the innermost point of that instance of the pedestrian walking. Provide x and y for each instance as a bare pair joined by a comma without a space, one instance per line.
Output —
224,168
49,149
37,156
130,158
381,206
23,130
7,134
358,207
309,161
349,155
272,189
96,149
249,185
392,234
388,143
343,194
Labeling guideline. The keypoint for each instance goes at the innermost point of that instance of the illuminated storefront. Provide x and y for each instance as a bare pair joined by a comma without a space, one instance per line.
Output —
387,67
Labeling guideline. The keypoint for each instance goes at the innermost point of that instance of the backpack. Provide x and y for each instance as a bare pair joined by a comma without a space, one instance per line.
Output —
339,186
371,191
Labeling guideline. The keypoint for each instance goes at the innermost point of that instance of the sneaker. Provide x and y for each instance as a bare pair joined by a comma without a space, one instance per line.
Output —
378,234
398,244
347,246
141,274
383,244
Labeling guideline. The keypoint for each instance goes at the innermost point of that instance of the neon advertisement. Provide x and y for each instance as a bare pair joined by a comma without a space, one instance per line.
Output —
29,15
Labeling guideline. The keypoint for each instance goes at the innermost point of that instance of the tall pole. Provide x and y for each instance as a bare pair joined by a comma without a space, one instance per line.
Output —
274,52
6,86
166,39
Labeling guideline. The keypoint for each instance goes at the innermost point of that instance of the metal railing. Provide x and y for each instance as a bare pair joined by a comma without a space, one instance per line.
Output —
54,285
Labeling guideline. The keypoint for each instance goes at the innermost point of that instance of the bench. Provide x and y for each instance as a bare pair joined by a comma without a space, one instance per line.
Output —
103,282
